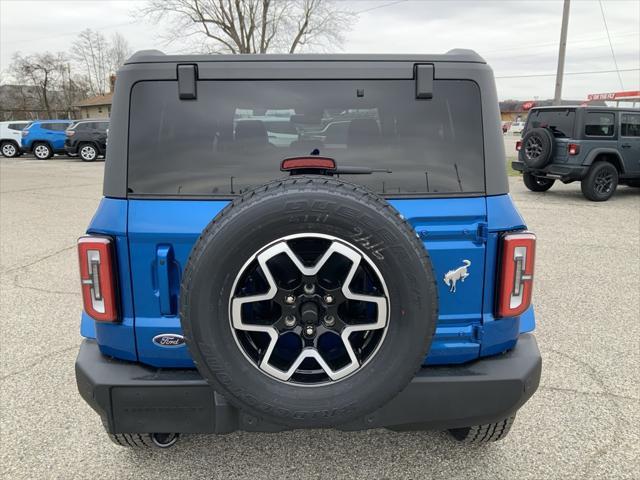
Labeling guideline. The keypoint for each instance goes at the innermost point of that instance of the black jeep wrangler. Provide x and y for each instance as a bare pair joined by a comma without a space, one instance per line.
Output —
599,146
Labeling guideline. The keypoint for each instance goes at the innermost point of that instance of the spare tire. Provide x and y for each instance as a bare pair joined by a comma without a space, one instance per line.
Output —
537,147
308,302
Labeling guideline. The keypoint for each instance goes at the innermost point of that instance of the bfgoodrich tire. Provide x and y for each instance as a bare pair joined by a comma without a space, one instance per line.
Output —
372,276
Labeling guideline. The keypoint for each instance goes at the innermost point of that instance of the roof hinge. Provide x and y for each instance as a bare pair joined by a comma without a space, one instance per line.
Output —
187,82
424,81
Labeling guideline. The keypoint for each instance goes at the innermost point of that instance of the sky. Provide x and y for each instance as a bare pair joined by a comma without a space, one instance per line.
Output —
517,38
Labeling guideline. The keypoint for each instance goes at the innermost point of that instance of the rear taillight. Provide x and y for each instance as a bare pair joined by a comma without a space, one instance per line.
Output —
573,148
25,132
97,277
518,145
69,133
515,283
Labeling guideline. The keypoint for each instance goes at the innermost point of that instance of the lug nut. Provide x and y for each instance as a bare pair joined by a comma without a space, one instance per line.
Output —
289,321
309,288
289,299
309,331
328,299
329,320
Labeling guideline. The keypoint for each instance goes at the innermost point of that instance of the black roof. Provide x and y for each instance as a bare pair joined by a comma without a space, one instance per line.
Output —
456,55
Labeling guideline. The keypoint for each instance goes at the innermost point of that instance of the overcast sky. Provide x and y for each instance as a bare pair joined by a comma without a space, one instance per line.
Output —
517,38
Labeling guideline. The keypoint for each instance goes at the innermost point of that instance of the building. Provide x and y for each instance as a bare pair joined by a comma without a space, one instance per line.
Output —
95,107
98,106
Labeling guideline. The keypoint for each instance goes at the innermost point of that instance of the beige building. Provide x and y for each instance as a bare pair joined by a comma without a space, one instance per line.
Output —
95,107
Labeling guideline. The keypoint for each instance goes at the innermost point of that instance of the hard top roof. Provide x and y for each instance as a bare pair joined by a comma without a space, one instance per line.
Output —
582,107
456,55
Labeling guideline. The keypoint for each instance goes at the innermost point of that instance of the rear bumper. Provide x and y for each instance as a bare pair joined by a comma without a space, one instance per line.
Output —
130,397
564,173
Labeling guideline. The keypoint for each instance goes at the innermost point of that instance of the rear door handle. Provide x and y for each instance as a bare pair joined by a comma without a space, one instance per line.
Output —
626,145
164,257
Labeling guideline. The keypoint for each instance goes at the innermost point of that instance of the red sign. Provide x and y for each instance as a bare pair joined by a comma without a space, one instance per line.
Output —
528,105
613,95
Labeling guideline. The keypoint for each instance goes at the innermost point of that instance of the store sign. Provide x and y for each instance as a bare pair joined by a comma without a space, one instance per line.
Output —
528,105
613,95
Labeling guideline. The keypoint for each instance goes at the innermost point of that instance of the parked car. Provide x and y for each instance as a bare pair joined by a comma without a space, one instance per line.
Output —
44,138
87,139
11,137
230,283
597,146
516,128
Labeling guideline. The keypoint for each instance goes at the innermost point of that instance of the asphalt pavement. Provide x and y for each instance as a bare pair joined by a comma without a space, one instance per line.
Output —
582,423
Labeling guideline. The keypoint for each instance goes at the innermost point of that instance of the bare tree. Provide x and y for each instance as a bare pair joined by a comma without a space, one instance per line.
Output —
41,70
118,52
91,53
254,26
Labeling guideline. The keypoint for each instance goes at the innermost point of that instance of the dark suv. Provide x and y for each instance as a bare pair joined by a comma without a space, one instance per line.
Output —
240,275
87,139
598,146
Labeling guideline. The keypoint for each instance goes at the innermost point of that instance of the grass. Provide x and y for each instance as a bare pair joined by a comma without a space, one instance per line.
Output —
510,171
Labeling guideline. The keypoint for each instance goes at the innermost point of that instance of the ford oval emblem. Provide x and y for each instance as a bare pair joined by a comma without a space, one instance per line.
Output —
169,340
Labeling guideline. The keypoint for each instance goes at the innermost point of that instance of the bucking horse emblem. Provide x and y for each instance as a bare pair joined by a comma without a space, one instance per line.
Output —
460,273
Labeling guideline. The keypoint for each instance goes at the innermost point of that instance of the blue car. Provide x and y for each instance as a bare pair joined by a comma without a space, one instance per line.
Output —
234,283
44,138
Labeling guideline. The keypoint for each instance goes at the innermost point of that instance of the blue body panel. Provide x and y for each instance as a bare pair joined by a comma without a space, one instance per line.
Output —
36,132
154,239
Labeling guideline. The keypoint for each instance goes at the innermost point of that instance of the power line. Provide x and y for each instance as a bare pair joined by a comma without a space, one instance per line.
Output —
615,62
380,6
534,75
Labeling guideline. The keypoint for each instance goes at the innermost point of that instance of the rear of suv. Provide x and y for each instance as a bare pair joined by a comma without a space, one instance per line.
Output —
233,280
44,138
597,146
87,139
11,137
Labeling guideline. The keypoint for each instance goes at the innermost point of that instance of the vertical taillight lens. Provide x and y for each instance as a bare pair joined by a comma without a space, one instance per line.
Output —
519,145
515,283
573,149
97,278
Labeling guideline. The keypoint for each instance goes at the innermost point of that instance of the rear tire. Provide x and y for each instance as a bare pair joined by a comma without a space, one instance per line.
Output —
42,151
489,432
537,184
87,152
9,149
600,183
144,440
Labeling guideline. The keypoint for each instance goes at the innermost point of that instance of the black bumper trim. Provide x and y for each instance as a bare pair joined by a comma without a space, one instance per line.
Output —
131,398
564,173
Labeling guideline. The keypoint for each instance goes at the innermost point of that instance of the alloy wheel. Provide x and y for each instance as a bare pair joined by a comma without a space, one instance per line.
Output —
309,309
9,150
87,152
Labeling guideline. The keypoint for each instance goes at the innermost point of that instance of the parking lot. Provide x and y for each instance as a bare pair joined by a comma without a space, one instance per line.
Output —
582,423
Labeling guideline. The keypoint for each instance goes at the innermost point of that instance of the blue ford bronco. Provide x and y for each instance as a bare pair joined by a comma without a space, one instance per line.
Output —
379,279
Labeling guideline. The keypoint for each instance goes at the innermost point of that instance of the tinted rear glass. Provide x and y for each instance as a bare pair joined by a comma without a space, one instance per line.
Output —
234,136
599,124
559,121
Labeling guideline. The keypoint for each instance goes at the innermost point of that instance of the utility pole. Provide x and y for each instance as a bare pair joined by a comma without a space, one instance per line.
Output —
561,53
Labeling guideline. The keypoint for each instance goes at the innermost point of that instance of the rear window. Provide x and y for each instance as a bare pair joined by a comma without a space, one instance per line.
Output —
630,125
234,136
55,126
560,121
599,124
